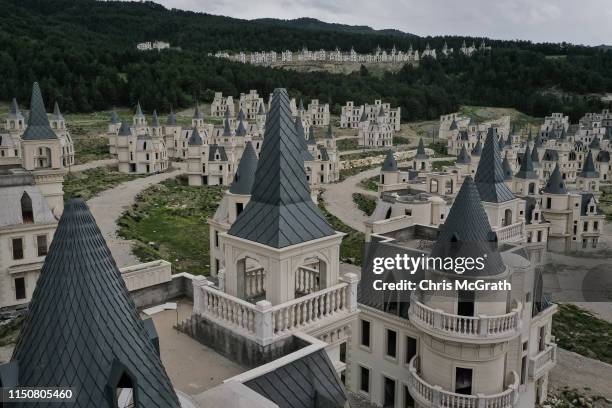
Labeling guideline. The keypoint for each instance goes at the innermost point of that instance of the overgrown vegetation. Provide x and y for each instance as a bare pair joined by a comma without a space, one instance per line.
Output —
83,54
440,149
605,202
88,149
370,183
351,249
168,221
9,331
573,398
347,144
89,183
578,330
400,140
439,165
344,173
365,203
363,155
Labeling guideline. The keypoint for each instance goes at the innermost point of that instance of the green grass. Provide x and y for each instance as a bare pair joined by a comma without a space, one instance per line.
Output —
168,221
578,330
89,183
400,140
438,165
440,149
88,149
365,203
370,183
351,249
10,331
347,144
363,155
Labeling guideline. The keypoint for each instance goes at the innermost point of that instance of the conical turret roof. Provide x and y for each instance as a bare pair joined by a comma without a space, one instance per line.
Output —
227,131
124,129
245,174
311,137
138,110
507,168
114,118
57,114
301,135
390,164
195,139
329,134
464,157
527,171
241,130
281,211
489,176
83,329
467,233
241,115
38,122
535,156
421,154
555,184
14,111
594,143
477,150
261,110
197,114
364,117
588,168
155,120
171,121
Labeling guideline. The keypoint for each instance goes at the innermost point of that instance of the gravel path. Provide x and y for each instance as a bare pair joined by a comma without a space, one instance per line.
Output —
576,371
92,165
110,204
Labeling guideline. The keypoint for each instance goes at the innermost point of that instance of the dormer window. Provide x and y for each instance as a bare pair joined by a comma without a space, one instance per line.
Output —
27,214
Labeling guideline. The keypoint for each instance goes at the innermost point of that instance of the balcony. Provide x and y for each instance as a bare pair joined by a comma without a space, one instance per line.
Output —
470,328
266,323
543,361
436,397
510,233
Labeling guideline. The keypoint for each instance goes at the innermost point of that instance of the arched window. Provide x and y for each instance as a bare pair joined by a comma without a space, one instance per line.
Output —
507,217
27,214
433,186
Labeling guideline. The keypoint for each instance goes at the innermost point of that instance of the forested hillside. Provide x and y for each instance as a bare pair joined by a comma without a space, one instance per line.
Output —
83,53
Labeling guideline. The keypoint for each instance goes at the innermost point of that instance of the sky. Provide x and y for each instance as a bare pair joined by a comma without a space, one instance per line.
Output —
578,22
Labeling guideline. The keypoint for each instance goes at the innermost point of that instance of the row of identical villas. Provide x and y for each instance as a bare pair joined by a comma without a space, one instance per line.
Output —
278,291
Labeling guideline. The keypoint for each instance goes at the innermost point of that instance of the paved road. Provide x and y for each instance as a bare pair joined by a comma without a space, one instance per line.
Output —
92,165
110,204
576,371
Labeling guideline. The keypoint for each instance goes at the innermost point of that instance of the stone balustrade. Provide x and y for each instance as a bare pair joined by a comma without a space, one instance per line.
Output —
435,396
264,322
306,280
254,282
510,233
543,361
466,327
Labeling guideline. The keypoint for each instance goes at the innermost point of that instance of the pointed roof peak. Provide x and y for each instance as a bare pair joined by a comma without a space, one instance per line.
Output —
114,117
281,212
329,134
226,115
467,232
390,164
138,110
464,157
171,120
555,184
245,174
195,139
594,143
241,116
241,130
155,120
527,170
490,176
477,150
81,308
261,110
14,109
421,154
57,114
197,114
588,168
507,168
311,136
38,122
227,131
124,129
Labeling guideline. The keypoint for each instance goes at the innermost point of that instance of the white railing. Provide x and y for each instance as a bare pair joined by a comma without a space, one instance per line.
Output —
435,396
264,322
543,361
306,280
254,282
472,327
512,232
309,309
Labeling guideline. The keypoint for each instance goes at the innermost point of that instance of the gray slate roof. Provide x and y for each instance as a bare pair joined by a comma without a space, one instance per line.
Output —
363,117
311,137
309,382
14,111
595,143
390,164
329,134
195,139
464,157
114,118
507,168
538,140
38,122
588,168
490,176
171,121
245,174
323,153
241,130
467,232
281,212
585,198
124,129
477,150
138,110
197,114
420,153
57,114
240,115
83,329
261,110
555,184
155,120
527,171
453,125
215,148
603,156
549,155
227,131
